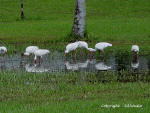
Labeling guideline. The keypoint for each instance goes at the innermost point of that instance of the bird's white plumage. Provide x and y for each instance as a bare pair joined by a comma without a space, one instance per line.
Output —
31,50
70,47
3,50
91,49
135,48
41,52
102,45
82,44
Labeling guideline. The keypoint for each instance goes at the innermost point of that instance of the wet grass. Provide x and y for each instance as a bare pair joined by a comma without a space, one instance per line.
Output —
72,92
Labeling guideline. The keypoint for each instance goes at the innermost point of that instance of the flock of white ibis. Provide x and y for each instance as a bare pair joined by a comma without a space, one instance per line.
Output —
36,52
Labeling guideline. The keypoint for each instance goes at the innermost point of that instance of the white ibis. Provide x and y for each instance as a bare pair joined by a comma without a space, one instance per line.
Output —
102,45
3,51
91,51
135,48
82,45
39,53
30,50
71,47
135,61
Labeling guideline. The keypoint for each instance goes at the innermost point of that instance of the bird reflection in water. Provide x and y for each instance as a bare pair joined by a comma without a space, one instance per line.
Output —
76,66
101,66
35,68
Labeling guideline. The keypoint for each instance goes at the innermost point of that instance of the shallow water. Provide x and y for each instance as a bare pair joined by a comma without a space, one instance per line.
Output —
55,62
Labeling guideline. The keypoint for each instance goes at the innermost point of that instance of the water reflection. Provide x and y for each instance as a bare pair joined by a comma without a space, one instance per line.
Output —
55,63
102,66
35,68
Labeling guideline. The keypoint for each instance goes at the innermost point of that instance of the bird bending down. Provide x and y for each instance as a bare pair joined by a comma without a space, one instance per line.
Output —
71,47
30,50
39,53
91,51
82,45
102,45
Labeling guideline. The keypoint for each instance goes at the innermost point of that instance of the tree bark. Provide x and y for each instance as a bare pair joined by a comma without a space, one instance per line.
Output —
22,11
79,18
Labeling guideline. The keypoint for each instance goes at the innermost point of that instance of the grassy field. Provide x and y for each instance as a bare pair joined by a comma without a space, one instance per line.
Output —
73,92
116,21
48,24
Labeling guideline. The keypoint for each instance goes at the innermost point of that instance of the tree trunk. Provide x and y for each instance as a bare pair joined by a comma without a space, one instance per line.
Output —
79,18
22,12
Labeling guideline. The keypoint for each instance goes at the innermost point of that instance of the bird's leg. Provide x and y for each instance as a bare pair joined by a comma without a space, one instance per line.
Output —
90,55
104,53
35,59
32,59
75,55
25,59
4,59
104,56
39,60
81,52
64,57
71,55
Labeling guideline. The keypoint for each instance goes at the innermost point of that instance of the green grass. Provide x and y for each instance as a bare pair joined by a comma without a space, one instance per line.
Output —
117,21
73,92
121,22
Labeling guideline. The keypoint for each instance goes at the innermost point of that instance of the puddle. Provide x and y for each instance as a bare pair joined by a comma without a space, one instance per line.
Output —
55,62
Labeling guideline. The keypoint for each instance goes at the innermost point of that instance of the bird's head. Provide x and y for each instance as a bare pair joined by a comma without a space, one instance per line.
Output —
26,54
66,51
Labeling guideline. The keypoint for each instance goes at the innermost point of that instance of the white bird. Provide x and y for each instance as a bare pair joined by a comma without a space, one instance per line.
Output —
3,50
39,53
135,48
102,45
30,50
82,44
102,67
91,51
135,51
71,47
